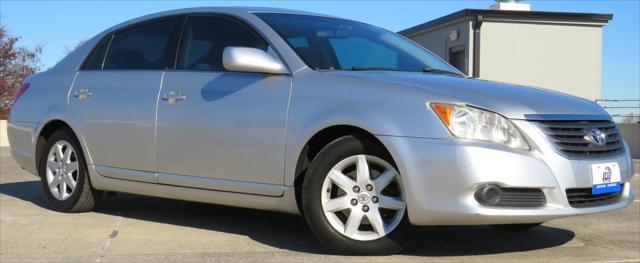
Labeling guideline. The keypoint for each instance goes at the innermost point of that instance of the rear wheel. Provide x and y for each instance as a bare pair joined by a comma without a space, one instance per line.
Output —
64,175
353,199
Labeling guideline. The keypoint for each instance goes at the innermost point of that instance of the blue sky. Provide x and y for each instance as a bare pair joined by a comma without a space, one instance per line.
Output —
60,25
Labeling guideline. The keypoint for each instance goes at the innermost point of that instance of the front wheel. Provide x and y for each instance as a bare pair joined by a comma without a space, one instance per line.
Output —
353,199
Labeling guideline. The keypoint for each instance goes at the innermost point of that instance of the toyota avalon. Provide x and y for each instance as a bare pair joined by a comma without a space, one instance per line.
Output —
362,131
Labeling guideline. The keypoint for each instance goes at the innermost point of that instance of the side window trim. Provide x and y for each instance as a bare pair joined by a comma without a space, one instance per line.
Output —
241,21
173,47
178,42
92,54
104,58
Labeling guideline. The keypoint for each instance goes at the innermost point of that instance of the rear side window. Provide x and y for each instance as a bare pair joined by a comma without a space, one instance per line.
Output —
141,47
96,58
205,38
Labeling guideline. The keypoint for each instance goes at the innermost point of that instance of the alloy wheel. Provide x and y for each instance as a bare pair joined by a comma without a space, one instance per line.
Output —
62,170
362,197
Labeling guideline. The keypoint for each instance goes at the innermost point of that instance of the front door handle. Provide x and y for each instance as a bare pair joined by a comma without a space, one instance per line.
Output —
173,96
82,94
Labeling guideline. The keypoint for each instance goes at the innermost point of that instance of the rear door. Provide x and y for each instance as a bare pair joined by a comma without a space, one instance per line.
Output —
226,130
114,98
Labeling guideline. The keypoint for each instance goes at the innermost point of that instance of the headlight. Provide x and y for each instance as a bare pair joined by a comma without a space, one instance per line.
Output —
472,123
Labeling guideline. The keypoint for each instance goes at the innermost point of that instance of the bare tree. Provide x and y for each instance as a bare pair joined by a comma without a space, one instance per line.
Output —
631,118
16,63
68,50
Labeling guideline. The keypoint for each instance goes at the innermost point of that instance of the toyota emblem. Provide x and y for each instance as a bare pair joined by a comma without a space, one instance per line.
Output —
596,137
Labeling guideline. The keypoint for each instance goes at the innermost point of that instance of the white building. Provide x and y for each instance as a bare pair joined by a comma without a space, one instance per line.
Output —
509,43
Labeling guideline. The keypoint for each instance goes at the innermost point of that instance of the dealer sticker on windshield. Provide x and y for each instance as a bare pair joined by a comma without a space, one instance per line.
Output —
605,178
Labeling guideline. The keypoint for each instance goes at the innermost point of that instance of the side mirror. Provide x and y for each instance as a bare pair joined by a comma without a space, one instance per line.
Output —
246,59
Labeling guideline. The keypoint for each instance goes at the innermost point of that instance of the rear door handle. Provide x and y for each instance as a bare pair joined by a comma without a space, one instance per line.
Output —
82,94
173,96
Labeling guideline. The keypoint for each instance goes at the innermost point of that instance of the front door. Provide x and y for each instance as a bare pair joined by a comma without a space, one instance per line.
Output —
216,129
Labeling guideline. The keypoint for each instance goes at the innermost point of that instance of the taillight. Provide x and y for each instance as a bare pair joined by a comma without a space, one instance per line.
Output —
23,88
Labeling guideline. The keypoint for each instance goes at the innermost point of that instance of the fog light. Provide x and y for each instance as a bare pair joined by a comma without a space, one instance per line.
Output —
488,195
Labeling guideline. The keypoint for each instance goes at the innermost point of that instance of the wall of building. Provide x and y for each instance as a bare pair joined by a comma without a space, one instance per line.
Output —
4,142
561,57
437,40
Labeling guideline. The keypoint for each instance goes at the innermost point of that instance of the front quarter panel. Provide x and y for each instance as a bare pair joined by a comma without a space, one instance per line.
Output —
321,100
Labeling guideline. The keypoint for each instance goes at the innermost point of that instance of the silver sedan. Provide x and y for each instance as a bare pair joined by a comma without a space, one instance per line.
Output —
360,130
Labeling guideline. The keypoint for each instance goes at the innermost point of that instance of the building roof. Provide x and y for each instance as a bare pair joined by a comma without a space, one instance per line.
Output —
509,14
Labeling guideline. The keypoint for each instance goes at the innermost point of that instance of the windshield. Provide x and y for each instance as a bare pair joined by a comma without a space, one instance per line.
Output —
336,44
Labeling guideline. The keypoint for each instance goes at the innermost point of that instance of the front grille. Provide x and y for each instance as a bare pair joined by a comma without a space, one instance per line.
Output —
583,198
522,197
569,137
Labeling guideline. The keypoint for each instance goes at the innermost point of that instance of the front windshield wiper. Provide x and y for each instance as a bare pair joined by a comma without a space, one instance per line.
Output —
439,71
425,70
372,69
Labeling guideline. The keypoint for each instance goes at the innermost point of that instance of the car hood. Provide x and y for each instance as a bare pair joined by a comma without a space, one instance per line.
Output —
512,101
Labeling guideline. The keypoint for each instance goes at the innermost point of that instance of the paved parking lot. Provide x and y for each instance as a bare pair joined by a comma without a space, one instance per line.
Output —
128,228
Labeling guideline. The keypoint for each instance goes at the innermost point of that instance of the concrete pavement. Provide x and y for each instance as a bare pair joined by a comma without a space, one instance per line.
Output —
129,228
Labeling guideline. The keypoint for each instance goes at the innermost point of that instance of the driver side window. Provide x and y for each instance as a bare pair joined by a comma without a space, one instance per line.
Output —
205,38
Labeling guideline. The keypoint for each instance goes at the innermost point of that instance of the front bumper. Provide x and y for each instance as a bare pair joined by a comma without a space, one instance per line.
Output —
440,177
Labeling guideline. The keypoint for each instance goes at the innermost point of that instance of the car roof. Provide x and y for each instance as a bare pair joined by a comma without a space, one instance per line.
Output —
228,10
231,10
240,9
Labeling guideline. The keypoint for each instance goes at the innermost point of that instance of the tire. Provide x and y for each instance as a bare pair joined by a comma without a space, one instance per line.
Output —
515,227
68,198
332,228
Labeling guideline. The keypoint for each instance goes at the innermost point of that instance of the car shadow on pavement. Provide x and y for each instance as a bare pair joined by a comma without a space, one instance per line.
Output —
290,232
